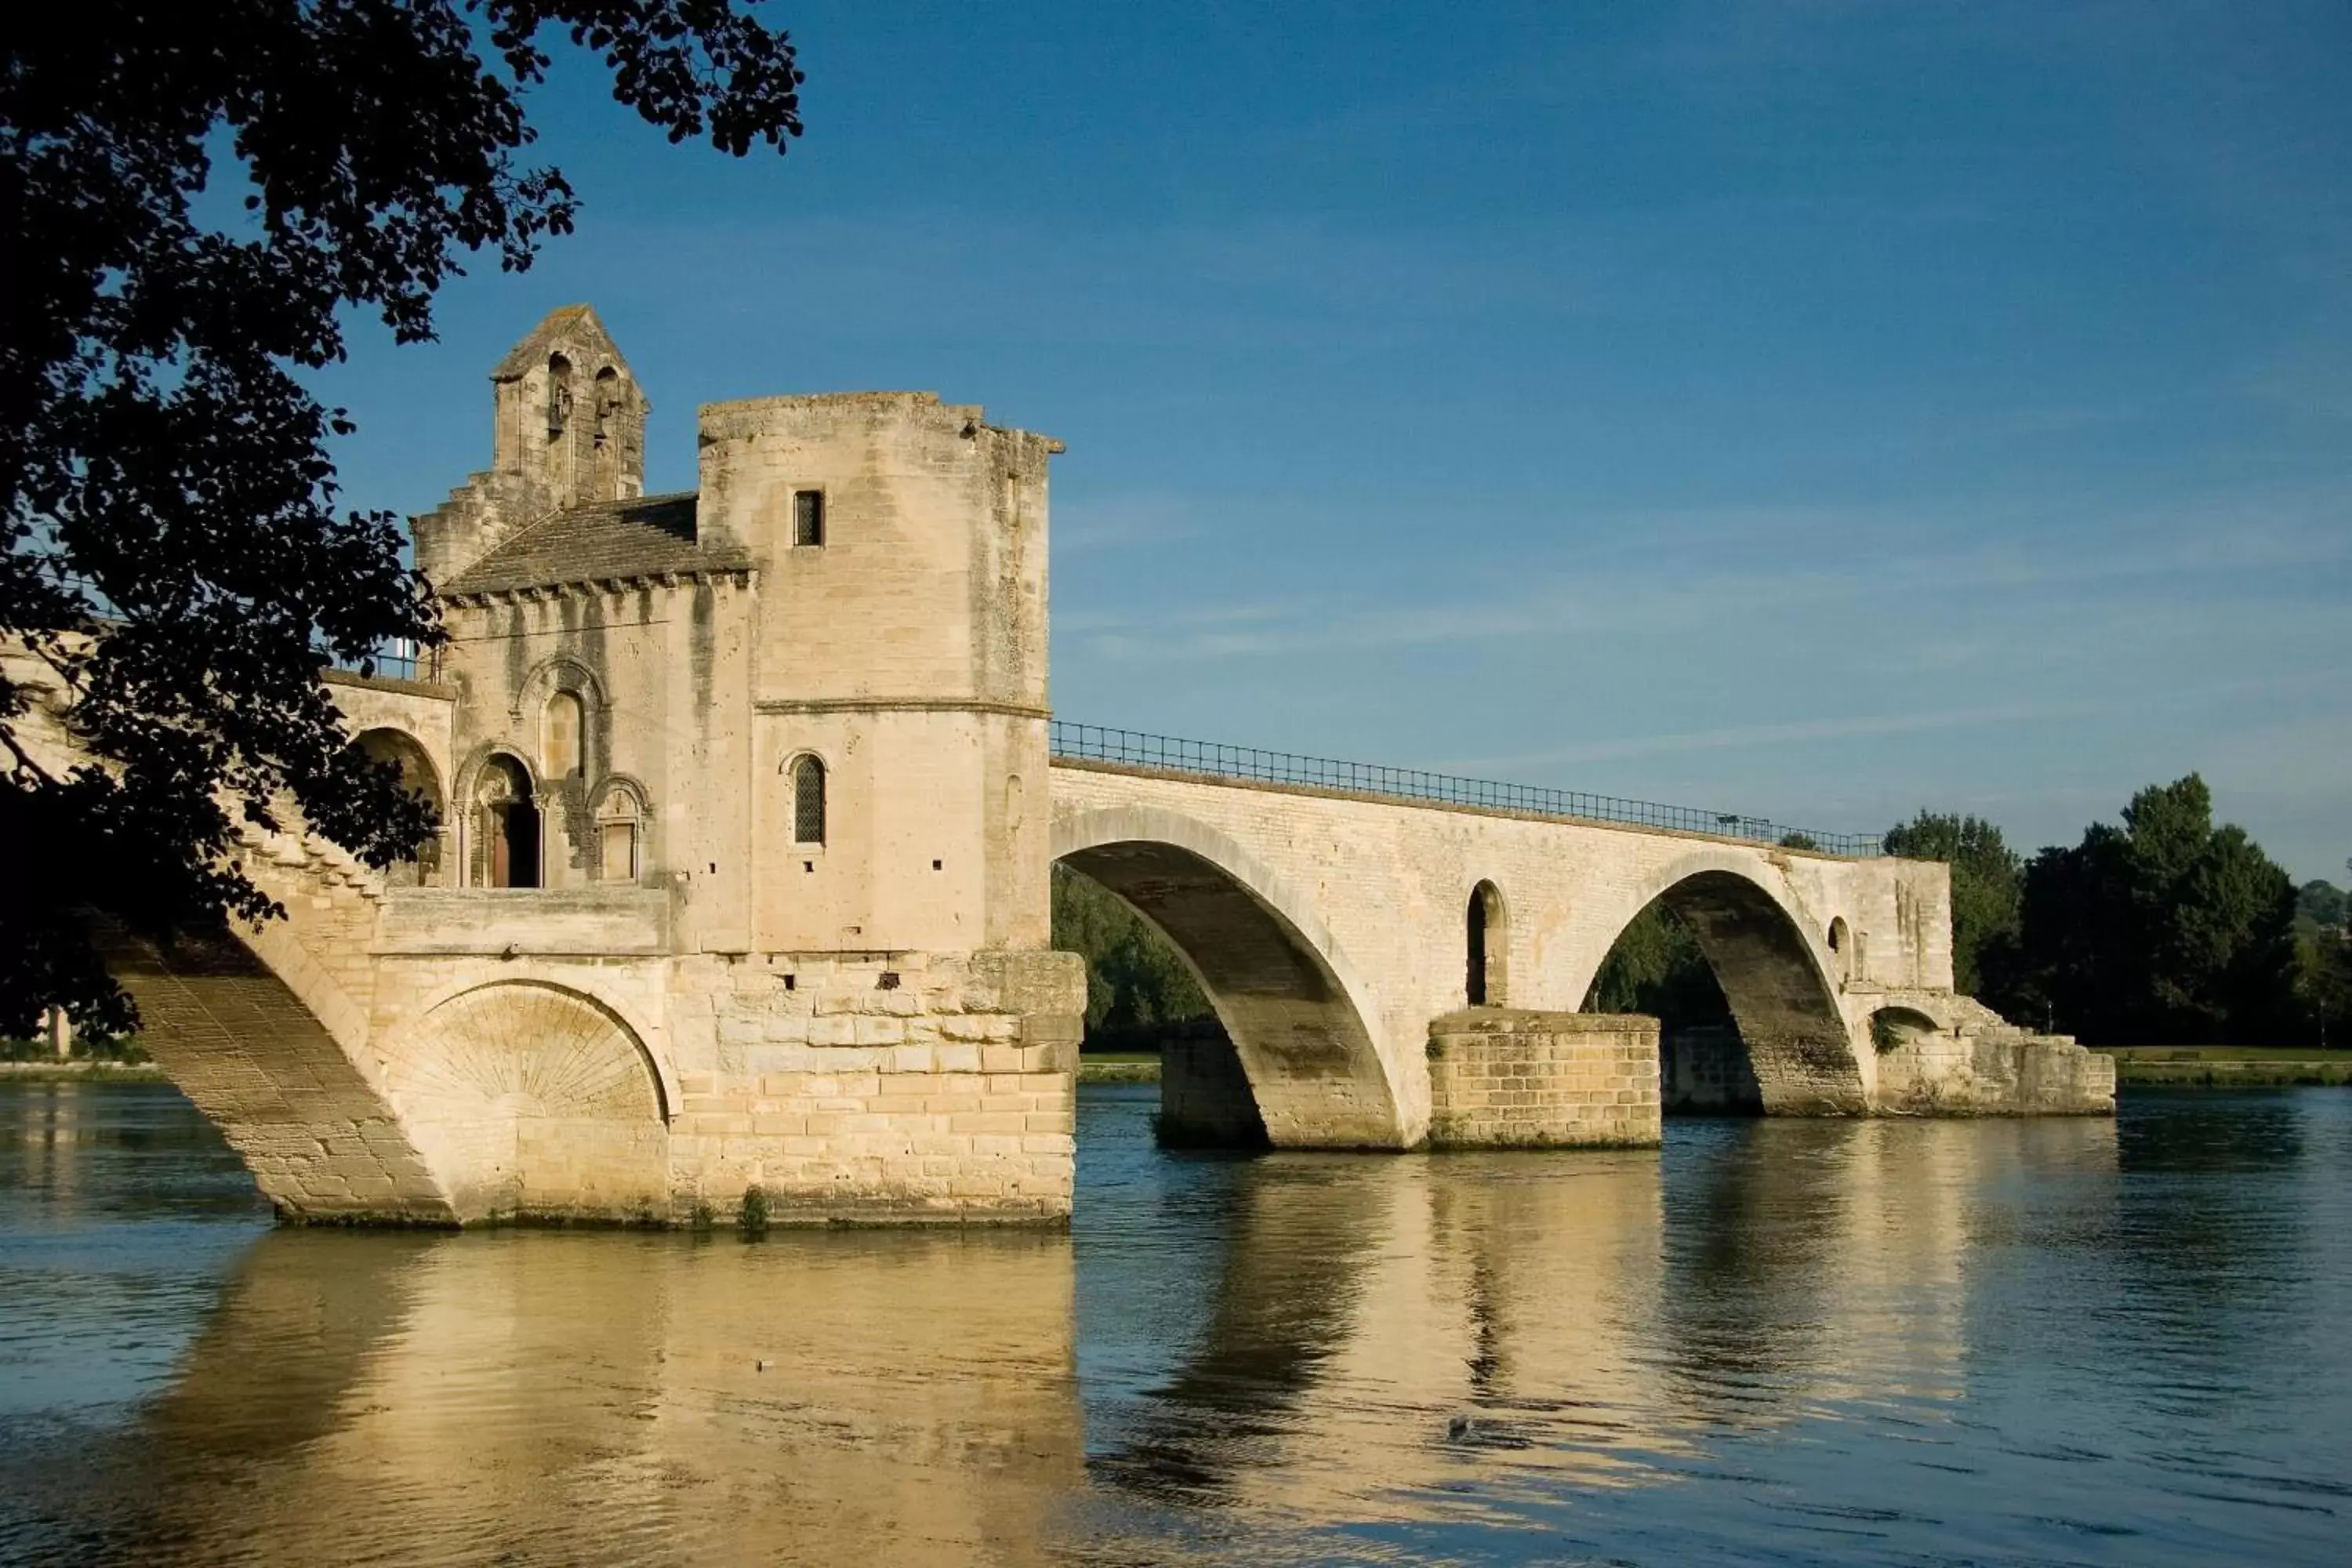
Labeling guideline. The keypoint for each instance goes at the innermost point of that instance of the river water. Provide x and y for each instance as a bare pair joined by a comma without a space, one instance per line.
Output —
1804,1343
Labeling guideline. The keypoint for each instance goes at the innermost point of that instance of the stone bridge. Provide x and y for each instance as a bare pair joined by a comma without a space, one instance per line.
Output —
750,797
436,1054
1331,928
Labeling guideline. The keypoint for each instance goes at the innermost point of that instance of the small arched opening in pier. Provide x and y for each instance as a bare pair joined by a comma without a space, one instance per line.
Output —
1485,982
1287,1058
1749,1020
1894,1028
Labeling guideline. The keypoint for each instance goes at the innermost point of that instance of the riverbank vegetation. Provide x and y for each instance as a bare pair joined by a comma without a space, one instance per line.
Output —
1138,986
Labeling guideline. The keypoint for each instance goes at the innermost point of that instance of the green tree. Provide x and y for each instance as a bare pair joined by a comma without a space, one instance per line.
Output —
2319,905
2165,931
2322,983
1985,888
1656,967
194,197
1136,980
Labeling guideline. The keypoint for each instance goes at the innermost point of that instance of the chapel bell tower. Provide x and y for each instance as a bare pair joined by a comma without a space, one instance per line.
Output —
570,416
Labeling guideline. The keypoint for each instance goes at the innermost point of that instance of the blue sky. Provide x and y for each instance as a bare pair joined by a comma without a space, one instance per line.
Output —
1817,410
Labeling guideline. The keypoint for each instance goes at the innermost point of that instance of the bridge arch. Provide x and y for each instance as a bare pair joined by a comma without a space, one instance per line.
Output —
1300,1019
527,1098
1775,974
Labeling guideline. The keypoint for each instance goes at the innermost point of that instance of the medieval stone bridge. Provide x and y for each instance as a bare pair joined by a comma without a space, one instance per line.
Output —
750,798
1330,930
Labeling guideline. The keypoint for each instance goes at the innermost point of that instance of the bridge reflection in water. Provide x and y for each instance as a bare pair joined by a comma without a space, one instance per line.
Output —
1290,1342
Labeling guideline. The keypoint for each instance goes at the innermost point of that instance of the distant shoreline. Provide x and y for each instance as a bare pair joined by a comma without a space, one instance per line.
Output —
2136,1067
2227,1066
82,1071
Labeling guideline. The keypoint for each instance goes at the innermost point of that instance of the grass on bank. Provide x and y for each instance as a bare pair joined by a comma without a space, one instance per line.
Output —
2228,1067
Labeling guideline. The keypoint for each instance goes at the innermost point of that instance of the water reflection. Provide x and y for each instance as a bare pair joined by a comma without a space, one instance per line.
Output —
1417,1338
1803,1341
592,1398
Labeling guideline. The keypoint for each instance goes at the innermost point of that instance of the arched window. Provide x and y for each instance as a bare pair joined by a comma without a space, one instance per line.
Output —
562,738
620,837
808,799
1486,948
1840,942
506,826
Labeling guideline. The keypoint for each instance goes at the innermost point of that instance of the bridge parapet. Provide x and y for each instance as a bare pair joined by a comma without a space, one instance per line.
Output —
1083,743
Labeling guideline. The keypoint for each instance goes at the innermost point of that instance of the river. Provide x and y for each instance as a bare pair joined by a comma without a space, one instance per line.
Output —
1987,1342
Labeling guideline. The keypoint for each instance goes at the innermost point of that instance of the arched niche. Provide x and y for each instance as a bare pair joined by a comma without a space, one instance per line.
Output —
401,750
623,823
529,1099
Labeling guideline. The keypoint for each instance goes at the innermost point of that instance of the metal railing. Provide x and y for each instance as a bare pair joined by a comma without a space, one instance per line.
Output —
1092,743
399,659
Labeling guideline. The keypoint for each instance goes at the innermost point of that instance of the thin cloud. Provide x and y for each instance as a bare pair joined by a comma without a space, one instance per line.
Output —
1744,736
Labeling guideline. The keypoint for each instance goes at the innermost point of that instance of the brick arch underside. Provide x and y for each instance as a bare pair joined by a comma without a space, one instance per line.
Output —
531,1101
1797,1041
323,1143
1312,1065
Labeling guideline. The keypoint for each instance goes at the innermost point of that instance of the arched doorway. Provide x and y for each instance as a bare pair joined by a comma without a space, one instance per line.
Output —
1749,1021
417,776
506,826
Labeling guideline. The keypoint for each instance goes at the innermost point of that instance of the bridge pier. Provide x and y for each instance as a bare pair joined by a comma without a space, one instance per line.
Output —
1504,1078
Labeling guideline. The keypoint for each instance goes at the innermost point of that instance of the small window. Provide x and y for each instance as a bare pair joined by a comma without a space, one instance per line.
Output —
808,517
560,747
808,801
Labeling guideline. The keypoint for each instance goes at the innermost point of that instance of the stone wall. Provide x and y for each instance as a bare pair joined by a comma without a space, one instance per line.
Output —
881,1087
1505,1078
